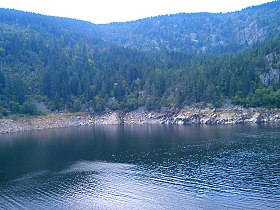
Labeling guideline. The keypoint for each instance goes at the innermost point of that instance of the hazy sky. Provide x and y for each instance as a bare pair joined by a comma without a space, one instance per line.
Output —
105,11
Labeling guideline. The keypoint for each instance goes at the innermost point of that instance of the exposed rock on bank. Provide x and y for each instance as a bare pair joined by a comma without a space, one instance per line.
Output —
56,121
224,116
184,116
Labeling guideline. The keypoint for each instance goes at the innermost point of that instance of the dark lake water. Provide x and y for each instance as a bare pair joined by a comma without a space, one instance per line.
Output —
142,167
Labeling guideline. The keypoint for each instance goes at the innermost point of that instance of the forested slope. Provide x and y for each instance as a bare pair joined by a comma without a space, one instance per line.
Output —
50,63
198,33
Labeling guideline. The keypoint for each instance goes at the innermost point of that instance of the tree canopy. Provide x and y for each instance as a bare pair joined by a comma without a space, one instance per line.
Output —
50,63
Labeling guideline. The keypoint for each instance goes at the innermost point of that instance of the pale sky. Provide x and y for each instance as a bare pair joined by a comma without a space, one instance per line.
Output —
105,11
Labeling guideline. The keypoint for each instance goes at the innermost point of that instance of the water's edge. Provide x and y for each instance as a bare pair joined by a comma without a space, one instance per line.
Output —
210,116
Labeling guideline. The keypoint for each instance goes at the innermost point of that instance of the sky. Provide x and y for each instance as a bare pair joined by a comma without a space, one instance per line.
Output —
106,11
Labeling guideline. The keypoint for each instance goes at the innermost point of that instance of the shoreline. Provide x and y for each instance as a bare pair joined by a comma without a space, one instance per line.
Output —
185,116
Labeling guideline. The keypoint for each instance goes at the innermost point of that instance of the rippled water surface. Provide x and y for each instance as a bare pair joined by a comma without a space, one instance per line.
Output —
142,167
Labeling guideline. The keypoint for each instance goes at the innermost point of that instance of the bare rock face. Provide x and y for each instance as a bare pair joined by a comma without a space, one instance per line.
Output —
273,75
265,79
142,116
110,118
223,116
251,34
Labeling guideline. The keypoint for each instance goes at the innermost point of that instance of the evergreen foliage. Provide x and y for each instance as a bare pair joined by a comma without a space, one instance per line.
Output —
198,33
65,65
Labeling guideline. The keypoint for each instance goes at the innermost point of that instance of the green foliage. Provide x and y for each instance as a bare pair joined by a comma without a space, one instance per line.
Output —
29,108
2,82
266,97
15,107
197,33
64,64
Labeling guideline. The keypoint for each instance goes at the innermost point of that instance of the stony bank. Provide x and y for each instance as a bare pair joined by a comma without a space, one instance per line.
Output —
185,116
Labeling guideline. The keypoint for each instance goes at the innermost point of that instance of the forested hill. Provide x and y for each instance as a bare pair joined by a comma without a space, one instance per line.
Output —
199,32
49,26
59,64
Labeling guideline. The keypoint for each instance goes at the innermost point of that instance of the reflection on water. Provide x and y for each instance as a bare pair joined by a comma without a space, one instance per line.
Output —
142,167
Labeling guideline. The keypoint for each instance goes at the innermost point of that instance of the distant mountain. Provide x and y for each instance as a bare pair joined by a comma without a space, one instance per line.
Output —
199,32
59,64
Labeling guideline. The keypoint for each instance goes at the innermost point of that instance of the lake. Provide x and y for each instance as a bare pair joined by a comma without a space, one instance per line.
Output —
142,167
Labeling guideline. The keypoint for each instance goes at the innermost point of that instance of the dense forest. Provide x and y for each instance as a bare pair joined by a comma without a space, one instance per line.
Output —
59,64
197,33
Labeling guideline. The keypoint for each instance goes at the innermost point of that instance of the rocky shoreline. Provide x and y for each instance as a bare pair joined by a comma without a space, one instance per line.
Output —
185,116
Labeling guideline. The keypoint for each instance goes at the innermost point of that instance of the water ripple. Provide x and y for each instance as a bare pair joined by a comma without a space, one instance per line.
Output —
219,172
